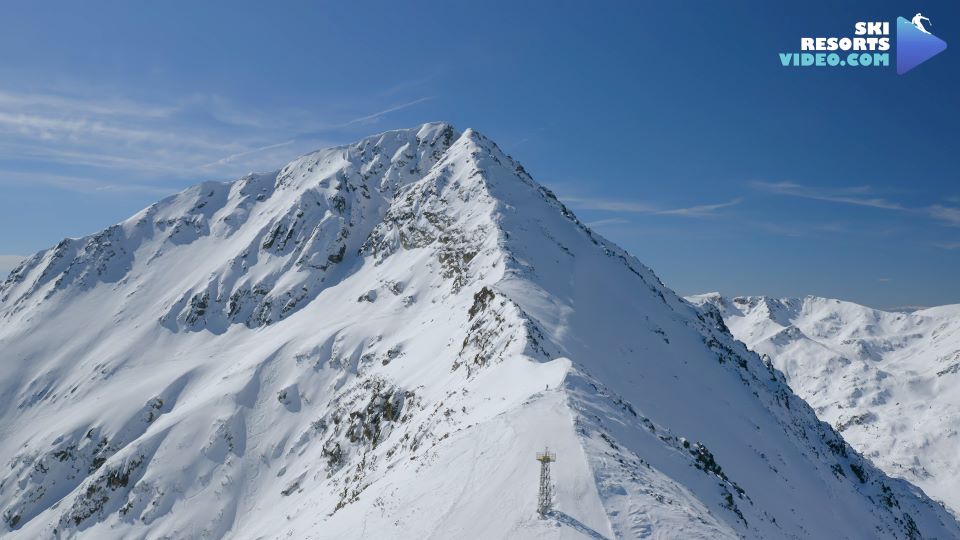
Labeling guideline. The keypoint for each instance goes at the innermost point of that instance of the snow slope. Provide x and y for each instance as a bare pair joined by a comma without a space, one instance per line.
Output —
889,381
374,342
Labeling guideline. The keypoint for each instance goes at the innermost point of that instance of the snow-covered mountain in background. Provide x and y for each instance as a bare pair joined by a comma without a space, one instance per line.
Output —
373,342
889,381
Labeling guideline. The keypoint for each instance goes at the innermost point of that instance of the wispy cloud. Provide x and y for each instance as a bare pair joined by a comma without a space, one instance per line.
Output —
604,222
948,245
643,207
82,130
128,142
63,104
377,115
233,157
410,86
857,195
703,210
81,184
113,138
610,205
947,214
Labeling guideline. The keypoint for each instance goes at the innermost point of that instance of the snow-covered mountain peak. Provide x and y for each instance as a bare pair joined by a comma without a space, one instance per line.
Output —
275,236
393,158
374,341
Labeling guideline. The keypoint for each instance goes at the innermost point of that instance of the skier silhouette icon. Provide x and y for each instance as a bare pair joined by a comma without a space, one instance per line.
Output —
918,22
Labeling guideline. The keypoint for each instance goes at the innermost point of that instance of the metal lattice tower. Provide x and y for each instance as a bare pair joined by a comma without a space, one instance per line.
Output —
545,500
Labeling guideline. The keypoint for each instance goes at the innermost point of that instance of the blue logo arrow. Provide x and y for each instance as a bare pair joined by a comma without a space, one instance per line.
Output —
915,46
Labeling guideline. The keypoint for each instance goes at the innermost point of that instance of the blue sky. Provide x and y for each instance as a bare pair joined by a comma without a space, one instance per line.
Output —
669,126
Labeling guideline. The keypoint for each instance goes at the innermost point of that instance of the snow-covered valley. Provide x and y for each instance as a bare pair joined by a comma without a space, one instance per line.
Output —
374,342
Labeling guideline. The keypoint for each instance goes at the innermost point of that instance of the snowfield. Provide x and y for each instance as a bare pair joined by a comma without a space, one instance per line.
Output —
889,381
374,342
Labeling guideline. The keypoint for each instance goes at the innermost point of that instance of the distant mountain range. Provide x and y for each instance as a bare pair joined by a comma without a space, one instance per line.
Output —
888,381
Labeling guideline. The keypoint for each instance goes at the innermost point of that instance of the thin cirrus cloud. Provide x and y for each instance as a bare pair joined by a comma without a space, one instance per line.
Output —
642,207
378,115
80,184
858,196
703,210
233,157
47,139
946,214
606,222
107,106
54,134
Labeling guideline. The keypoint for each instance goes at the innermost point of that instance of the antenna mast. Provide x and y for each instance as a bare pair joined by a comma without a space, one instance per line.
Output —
545,499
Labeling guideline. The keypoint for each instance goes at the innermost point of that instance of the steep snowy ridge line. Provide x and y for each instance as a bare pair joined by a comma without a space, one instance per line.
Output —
375,341
493,155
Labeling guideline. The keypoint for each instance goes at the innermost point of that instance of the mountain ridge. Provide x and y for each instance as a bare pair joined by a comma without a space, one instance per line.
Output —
376,340
884,378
